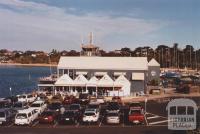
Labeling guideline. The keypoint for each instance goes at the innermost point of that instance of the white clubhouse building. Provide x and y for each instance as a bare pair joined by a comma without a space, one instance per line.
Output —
96,75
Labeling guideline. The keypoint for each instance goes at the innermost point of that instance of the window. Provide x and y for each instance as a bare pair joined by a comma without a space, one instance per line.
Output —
190,110
181,110
29,114
173,110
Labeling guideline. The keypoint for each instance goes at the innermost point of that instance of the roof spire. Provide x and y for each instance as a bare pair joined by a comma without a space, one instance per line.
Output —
91,38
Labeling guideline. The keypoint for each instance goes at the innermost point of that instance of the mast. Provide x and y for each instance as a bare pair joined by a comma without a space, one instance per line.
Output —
91,38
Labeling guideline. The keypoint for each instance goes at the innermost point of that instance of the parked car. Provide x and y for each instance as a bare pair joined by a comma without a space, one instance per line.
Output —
49,95
56,98
5,104
48,117
39,105
69,100
84,98
70,117
26,98
113,117
75,107
26,117
43,97
12,99
55,106
100,99
94,105
136,115
91,115
117,99
113,106
6,116
20,106
135,105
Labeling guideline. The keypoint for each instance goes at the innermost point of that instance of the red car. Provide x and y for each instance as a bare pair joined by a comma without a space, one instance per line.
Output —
117,99
136,115
48,117
69,100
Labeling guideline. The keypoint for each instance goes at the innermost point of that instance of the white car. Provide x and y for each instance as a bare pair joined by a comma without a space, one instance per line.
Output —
26,98
25,117
91,115
101,100
113,118
39,105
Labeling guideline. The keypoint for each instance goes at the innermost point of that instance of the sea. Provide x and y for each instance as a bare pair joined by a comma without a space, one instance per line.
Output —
16,80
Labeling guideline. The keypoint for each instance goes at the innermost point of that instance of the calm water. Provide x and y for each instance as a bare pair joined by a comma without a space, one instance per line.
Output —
20,79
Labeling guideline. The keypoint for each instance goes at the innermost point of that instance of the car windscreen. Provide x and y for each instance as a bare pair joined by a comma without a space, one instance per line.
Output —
113,107
112,114
89,114
69,114
22,97
83,96
74,107
135,112
47,114
29,96
35,105
135,105
93,106
55,106
2,114
17,105
21,116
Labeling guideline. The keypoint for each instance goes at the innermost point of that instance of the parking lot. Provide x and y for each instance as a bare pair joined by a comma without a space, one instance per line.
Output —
155,116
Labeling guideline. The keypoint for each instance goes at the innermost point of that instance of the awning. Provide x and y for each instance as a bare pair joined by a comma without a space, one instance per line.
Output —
100,73
83,73
121,81
80,81
45,85
119,73
64,80
92,82
105,81
137,76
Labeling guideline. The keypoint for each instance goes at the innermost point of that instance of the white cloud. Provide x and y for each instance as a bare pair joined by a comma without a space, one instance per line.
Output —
38,26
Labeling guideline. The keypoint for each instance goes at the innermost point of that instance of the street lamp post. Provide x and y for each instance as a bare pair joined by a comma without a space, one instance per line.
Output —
145,105
10,91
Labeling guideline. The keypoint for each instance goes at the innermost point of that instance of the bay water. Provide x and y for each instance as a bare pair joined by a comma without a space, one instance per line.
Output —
20,79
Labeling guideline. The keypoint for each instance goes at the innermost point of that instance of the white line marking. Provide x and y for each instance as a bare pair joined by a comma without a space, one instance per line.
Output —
153,117
35,123
158,122
11,125
146,120
156,115
55,124
77,124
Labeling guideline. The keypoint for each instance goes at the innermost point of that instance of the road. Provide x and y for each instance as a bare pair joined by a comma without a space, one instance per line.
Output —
89,130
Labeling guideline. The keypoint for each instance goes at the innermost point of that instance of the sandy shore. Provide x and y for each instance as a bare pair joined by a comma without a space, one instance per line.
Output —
34,65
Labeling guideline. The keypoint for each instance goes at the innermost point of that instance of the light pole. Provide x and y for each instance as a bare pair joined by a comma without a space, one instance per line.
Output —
10,91
145,105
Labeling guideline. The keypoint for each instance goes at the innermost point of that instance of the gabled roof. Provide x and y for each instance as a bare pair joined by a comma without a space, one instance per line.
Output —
64,80
121,81
106,81
103,63
92,82
80,80
153,62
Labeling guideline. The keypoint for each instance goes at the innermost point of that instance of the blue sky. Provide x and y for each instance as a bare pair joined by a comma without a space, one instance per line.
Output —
62,24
